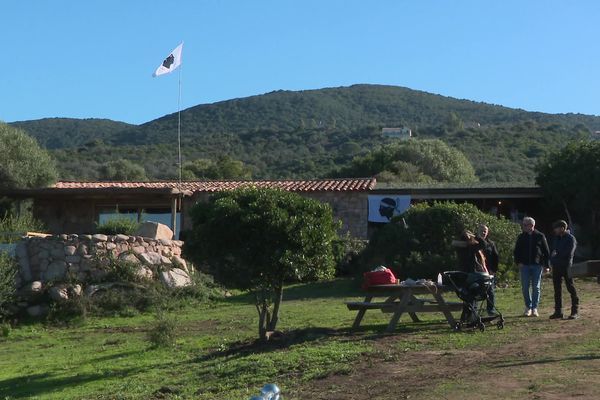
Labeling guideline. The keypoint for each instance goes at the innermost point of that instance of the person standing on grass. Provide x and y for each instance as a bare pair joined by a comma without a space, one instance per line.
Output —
491,256
561,259
532,256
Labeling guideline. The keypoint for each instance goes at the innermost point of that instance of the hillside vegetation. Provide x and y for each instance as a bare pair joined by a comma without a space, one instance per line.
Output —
314,133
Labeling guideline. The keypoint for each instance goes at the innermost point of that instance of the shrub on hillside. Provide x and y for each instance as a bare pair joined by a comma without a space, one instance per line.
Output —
418,244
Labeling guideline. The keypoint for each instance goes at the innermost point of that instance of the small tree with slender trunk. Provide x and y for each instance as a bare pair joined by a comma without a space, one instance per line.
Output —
258,239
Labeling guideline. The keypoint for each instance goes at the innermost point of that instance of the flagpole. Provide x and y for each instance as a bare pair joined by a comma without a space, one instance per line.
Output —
179,127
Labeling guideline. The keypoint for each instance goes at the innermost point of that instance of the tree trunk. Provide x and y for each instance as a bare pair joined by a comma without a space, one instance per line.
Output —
262,306
276,305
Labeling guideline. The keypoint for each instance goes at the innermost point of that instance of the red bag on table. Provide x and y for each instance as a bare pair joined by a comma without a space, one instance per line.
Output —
385,277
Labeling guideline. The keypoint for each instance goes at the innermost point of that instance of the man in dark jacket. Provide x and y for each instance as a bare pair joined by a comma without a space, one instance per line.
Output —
532,256
561,259
491,256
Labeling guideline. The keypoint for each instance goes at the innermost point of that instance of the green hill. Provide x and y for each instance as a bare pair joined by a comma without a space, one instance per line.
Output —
55,133
344,108
313,133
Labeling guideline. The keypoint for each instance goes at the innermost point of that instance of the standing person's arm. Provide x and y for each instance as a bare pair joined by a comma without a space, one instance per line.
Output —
516,252
571,249
545,252
495,257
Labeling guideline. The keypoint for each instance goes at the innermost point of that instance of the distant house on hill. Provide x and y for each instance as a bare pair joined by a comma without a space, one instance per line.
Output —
403,133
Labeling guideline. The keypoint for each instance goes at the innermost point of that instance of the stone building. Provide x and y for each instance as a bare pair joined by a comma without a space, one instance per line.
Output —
77,207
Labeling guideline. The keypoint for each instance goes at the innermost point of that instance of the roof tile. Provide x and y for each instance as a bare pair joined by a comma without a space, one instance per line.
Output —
321,185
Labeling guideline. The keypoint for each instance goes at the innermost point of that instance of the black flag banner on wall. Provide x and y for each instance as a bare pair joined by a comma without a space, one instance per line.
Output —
170,63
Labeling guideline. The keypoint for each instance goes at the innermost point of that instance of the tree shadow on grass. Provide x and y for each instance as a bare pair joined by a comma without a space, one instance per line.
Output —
28,386
546,361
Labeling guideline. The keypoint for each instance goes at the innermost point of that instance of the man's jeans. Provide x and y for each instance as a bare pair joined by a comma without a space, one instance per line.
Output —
531,276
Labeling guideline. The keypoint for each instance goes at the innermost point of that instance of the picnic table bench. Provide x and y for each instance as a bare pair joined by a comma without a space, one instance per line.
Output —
401,299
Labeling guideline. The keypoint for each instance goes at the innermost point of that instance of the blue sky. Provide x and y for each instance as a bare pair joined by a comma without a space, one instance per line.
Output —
94,59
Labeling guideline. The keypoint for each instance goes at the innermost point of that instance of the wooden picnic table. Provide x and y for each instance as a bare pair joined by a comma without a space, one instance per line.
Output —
401,299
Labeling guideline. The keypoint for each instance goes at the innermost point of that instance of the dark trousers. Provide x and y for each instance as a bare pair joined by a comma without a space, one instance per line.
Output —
558,274
491,300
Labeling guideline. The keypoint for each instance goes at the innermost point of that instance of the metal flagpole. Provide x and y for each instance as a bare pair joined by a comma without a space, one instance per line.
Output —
179,127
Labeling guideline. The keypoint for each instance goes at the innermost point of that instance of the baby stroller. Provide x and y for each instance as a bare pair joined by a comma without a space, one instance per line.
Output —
473,289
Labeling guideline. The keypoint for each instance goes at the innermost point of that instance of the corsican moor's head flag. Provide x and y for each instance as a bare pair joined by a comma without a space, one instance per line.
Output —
171,62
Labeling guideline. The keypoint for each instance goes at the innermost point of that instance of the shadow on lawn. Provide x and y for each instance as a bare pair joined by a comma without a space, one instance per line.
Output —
546,361
25,387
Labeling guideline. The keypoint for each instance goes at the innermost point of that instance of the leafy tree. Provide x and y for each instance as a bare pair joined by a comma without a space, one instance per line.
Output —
122,170
418,244
224,167
23,164
257,239
415,161
570,179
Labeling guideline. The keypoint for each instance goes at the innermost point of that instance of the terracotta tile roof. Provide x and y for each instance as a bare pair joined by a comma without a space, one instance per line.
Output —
321,185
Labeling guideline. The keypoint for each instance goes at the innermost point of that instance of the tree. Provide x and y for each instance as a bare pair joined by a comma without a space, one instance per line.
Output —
570,179
23,164
122,170
257,239
415,161
224,168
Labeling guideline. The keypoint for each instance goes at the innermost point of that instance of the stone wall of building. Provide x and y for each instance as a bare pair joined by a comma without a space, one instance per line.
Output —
351,208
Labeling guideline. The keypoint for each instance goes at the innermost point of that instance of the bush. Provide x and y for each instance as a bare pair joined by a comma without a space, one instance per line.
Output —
423,247
163,332
18,224
346,253
118,225
8,274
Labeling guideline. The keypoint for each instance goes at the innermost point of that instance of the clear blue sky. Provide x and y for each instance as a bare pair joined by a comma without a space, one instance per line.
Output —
95,58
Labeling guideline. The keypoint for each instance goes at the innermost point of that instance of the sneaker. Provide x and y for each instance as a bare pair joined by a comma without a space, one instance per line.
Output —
556,315
574,316
527,312
535,312
491,313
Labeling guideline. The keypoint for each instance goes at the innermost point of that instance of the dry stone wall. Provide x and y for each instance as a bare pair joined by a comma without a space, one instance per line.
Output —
82,258
66,266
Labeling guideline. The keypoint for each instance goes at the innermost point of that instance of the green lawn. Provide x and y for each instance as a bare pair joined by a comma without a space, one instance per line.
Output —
216,356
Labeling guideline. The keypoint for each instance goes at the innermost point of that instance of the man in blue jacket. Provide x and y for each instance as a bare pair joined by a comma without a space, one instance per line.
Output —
561,259
532,256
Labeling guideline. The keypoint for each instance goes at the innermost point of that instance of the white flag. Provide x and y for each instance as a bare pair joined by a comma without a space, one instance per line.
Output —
170,63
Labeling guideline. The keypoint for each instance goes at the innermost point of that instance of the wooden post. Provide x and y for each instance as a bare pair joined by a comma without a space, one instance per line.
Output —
174,216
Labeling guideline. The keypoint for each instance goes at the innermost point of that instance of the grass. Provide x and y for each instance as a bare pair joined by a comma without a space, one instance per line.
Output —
215,355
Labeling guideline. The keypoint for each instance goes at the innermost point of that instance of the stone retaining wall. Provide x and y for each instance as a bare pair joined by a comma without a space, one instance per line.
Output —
79,257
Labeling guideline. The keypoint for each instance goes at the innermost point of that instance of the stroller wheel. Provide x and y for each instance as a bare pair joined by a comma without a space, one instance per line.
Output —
500,324
457,327
481,326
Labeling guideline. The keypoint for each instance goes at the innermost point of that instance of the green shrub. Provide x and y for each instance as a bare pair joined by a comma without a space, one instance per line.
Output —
19,224
8,274
163,331
73,311
423,247
118,225
346,253
5,330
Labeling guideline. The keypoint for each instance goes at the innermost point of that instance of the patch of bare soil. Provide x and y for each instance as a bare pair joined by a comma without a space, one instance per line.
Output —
542,362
